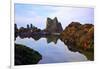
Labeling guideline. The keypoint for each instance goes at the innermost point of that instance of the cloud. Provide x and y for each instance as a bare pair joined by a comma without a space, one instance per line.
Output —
69,14
37,15
31,17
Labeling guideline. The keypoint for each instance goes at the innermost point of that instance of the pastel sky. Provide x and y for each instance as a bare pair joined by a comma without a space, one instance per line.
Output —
37,15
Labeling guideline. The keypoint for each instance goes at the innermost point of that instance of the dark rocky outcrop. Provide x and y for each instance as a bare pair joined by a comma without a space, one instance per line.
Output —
79,38
16,30
53,26
25,55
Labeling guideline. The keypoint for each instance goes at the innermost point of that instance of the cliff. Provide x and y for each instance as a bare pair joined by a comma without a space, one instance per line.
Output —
53,26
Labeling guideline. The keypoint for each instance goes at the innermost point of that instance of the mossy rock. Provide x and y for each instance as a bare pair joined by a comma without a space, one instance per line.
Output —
25,55
79,38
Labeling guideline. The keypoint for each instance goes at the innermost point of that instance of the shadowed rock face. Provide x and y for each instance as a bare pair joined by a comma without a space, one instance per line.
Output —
53,26
25,55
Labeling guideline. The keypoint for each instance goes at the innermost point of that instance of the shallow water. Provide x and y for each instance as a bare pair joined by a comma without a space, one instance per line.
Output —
52,49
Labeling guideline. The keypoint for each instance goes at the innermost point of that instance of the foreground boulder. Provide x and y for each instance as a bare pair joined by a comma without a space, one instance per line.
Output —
79,38
25,55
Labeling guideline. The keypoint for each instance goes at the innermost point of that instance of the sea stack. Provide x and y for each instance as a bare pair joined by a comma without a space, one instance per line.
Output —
53,25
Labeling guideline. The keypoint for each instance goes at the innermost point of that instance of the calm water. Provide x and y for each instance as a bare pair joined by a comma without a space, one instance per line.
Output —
52,49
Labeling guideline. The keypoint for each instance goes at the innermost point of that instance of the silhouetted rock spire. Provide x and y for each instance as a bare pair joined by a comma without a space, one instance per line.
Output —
53,25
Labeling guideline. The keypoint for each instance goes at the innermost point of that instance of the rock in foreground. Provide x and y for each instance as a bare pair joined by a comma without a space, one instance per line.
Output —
25,55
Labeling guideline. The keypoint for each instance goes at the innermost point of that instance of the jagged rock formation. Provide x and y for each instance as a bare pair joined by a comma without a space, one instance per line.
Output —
53,26
79,38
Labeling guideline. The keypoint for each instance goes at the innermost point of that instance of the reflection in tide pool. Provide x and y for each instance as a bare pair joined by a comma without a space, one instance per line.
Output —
51,52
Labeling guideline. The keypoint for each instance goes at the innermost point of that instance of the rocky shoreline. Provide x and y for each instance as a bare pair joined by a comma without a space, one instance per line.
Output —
79,38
